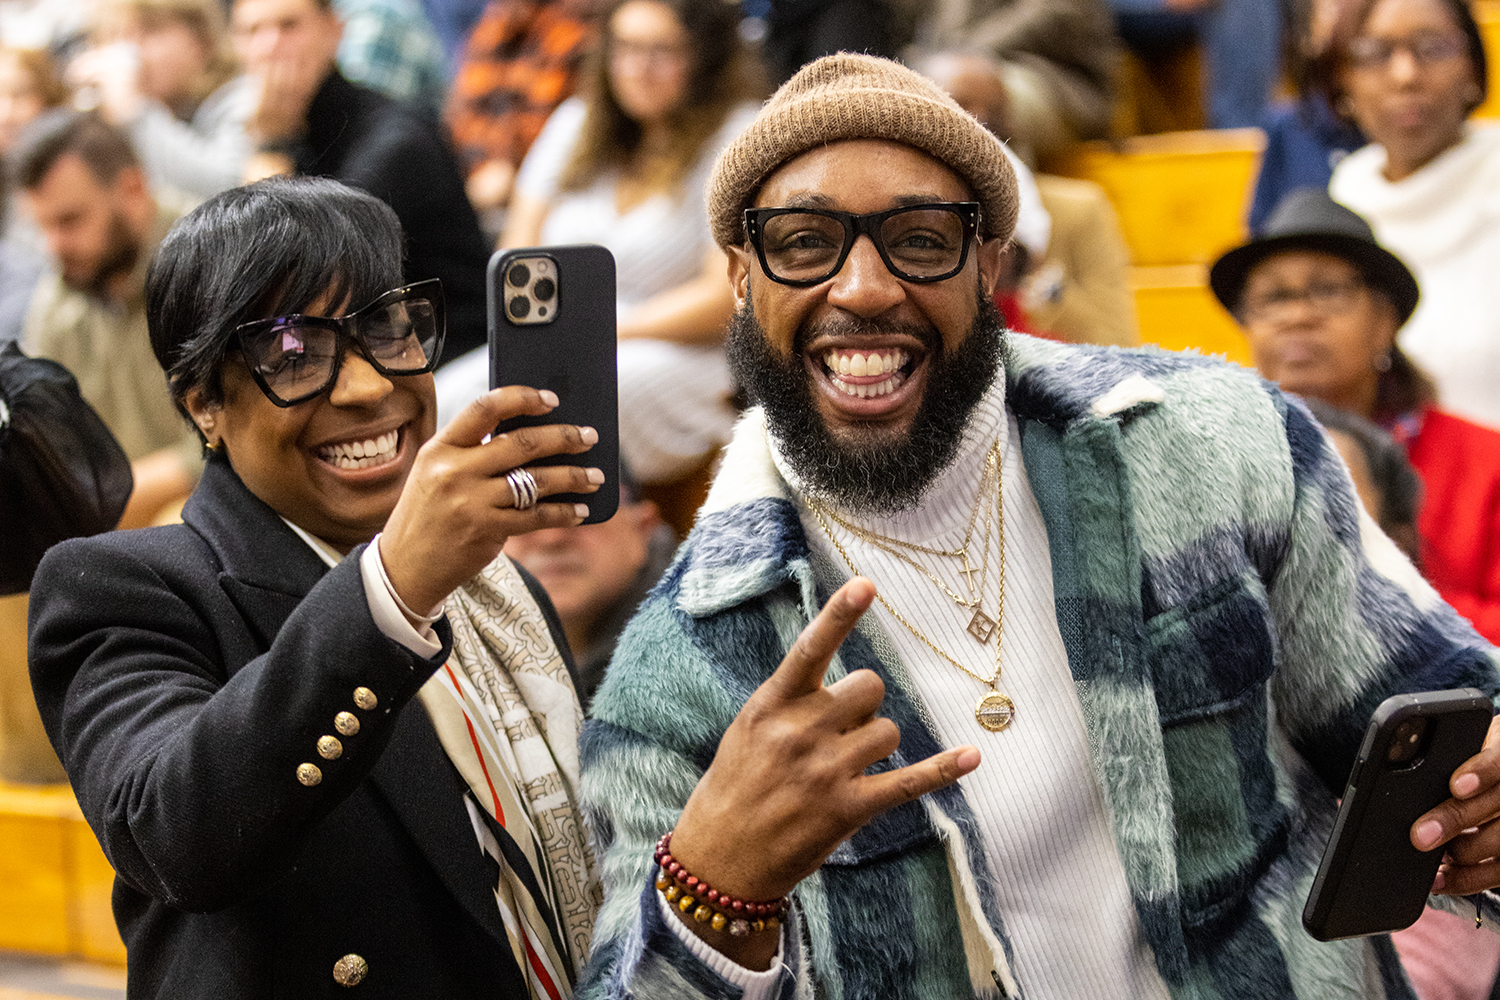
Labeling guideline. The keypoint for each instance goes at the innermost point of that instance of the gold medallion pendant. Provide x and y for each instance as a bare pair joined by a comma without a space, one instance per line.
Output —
995,711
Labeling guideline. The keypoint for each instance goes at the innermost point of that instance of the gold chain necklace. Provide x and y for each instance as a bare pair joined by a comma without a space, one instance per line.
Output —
994,711
981,626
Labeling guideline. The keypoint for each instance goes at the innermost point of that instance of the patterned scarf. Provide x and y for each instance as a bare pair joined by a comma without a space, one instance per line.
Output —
506,713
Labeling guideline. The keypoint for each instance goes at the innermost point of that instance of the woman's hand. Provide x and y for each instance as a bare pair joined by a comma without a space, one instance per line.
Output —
457,510
787,784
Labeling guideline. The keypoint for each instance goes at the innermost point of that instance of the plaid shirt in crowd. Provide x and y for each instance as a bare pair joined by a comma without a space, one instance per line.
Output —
521,62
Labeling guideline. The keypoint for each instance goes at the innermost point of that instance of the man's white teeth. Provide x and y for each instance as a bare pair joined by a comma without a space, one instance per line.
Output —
873,389
873,363
361,454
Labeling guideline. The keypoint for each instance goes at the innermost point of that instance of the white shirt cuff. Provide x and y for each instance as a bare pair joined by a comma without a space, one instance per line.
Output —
387,613
757,985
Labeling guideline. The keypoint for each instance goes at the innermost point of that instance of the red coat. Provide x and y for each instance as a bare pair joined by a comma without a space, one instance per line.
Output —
1459,525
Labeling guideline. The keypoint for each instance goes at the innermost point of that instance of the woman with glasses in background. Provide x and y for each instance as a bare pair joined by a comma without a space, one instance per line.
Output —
325,732
626,168
1320,302
1409,73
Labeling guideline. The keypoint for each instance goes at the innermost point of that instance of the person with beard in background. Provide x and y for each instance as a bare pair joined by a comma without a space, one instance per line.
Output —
1128,597
87,192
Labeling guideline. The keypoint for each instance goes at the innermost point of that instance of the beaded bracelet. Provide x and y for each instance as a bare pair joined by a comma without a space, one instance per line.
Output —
691,895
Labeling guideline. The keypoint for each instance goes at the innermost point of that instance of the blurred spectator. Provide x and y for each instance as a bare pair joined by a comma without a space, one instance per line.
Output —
520,63
1321,302
163,71
1388,486
1056,61
89,196
389,46
311,120
28,86
1076,283
1240,43
627,170
799,31
1409,73
22,264
597,575
1305,140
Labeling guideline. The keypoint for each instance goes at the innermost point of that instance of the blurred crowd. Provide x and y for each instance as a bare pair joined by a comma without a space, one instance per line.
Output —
1367,284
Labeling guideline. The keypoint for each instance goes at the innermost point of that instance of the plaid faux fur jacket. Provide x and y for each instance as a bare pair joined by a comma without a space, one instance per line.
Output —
1231,622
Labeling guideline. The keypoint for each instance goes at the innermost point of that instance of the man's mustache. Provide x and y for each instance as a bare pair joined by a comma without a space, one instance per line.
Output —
848,326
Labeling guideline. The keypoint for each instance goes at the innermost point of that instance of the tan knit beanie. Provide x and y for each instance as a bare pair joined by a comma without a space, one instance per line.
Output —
848,96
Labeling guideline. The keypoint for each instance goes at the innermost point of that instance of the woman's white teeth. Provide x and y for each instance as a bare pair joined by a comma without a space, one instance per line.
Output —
362,454
873,363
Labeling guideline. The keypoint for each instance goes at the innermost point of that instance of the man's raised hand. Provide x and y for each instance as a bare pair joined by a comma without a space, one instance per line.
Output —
787,784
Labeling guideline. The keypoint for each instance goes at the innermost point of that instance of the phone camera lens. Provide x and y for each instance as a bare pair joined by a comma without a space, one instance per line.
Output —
518,275
545,289
1407,742
520,307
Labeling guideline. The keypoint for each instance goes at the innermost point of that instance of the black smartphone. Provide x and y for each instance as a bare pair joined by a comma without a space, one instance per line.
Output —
1372,880
552,326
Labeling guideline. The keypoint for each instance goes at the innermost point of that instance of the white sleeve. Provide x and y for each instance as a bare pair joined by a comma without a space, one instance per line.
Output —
202,158
387,613
548,155
757,985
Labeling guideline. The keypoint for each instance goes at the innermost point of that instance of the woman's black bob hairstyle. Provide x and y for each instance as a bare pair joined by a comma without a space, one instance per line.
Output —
271,248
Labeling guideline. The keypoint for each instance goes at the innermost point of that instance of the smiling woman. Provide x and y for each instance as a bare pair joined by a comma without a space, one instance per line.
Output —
232,696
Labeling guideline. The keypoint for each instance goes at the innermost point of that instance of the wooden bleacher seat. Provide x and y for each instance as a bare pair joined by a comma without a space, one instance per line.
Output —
1487,13
1181,197
55,883
1181,200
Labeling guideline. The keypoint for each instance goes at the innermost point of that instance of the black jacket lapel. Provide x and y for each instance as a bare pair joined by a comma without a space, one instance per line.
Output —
426,792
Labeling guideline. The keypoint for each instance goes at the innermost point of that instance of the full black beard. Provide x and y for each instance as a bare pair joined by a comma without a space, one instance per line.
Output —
869,472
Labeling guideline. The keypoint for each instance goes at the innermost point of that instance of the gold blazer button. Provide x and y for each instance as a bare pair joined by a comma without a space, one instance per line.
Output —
350,970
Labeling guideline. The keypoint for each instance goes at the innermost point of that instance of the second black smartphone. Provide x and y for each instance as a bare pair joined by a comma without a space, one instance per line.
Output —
1372,880
552,326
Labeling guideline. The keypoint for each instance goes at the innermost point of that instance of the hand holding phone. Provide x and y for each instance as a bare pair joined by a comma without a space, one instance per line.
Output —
552,326
1373,879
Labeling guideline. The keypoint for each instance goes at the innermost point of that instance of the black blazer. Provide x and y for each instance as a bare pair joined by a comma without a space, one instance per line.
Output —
183,674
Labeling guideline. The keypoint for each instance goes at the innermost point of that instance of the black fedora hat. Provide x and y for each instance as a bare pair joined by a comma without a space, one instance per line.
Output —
1307,219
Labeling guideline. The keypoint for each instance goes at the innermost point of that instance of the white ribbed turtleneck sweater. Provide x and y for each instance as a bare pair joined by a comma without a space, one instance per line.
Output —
1046,828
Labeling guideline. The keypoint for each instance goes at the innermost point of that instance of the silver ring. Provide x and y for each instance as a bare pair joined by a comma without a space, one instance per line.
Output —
522,488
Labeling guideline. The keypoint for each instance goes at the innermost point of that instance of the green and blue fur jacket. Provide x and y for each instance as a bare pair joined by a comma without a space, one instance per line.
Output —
1231,622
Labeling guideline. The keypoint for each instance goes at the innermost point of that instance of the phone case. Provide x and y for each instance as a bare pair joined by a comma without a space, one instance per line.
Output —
564,340
1372,880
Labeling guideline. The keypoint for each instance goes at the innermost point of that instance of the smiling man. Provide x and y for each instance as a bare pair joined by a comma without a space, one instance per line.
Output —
1128,597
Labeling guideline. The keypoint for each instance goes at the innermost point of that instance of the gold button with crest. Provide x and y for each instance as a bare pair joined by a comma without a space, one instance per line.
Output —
329,747
309,774
347,723
350,970
365,698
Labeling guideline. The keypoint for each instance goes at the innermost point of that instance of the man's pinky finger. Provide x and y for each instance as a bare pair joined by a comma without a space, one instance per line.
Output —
1465,880
893,788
